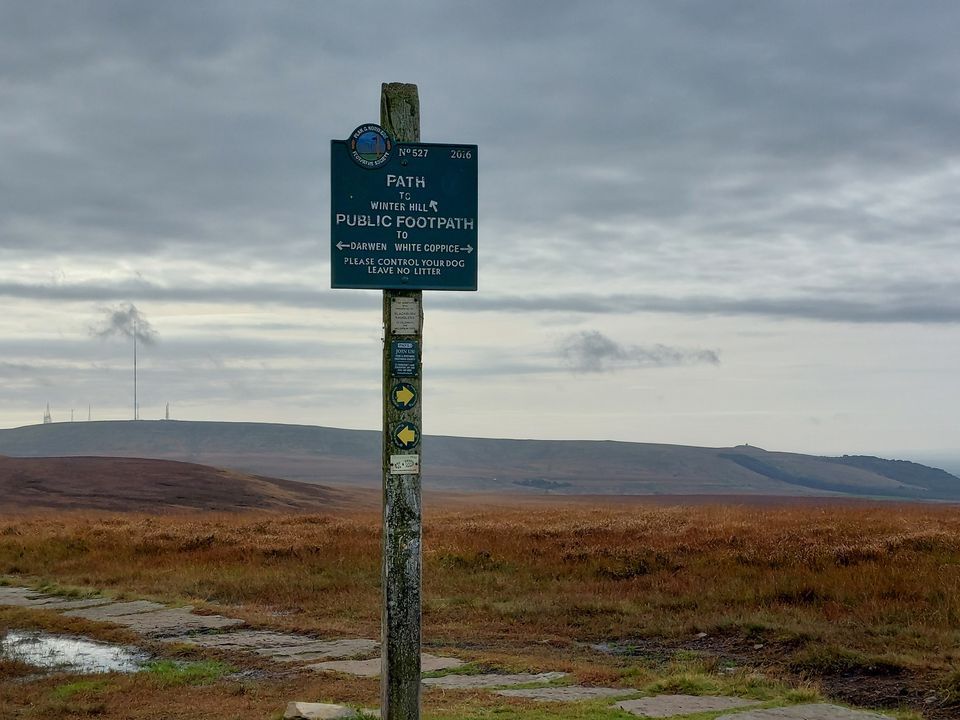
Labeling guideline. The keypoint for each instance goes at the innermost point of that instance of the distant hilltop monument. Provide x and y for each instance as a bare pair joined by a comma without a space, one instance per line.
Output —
46,416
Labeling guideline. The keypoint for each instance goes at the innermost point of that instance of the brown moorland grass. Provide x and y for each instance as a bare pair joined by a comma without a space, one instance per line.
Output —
844,591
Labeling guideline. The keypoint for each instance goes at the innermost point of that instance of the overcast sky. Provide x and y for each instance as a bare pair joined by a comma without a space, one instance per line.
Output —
702,223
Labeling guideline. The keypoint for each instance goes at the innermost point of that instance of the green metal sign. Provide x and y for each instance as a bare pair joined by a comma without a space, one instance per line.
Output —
403,216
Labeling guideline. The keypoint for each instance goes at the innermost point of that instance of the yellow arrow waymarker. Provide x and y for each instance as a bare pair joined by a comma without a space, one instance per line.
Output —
407,435
404,395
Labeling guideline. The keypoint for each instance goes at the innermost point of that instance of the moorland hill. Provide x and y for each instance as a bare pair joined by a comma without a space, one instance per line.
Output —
333,456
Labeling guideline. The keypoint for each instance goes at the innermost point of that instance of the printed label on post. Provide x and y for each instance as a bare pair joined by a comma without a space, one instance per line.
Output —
404,464
404,315
403,358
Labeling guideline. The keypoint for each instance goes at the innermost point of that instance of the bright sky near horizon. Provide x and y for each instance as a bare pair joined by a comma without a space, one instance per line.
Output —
700,223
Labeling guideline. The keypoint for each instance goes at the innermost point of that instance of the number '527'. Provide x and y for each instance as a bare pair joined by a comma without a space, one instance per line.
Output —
461,154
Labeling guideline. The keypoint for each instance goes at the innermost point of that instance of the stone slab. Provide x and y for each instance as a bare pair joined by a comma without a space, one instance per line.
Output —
321,650
242,639
114,610
818,711
176,621
47,602
285,647
25,597
371,668
663,706
62,604
13,595
491,680
317,711
566,693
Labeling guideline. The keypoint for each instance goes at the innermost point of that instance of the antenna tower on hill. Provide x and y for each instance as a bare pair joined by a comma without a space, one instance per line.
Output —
136,406
46,416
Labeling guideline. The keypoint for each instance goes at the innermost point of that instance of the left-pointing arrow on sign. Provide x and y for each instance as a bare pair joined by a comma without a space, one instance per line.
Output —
406,435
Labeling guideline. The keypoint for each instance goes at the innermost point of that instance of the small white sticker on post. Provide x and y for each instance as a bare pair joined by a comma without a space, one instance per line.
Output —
404,316
404,464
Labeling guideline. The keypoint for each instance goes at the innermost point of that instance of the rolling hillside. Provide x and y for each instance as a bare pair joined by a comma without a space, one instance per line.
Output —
132,484
352,457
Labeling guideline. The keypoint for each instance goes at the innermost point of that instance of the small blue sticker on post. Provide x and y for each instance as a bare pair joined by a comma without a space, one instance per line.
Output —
403,358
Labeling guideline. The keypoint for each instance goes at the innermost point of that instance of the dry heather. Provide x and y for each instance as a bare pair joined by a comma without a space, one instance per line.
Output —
822,584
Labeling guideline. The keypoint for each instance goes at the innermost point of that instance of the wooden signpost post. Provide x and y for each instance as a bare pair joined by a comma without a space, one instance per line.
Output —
401,573
403,218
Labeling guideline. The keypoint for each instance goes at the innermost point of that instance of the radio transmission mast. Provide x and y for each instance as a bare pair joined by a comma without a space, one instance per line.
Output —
136,407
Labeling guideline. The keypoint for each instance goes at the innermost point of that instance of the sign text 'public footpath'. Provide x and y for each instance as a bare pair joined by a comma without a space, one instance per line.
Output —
403,216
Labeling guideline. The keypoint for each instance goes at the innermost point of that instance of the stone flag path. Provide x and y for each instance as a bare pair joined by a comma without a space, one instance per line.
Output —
670,705
282,647
354,656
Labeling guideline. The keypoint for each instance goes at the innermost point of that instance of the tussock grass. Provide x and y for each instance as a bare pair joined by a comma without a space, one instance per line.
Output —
867,579
825,591
81,688
10,668
174,673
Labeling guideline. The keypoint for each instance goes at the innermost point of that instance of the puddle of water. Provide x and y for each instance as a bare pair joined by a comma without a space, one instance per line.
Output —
69,653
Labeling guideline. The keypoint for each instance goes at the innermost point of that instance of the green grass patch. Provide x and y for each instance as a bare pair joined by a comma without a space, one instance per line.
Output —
744,684
175,673
834,660
81,687
68,592
950,687
500,710
465,669
686,683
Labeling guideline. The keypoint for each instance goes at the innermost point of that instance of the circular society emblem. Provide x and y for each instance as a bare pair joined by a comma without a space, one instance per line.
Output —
370,146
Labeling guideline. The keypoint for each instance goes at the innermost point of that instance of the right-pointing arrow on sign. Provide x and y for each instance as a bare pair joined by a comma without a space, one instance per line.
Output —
404,395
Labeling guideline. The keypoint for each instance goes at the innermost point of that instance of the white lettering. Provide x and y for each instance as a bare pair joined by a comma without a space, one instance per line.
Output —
364,220
406,181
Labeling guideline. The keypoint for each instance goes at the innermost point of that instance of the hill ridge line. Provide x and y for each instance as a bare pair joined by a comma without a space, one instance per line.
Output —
351,457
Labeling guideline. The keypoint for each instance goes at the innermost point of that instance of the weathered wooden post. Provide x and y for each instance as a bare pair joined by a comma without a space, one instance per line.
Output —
402,530
403,218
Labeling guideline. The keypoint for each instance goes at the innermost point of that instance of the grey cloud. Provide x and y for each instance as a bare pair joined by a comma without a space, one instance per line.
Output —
685,140
590,351
185,352
125,320
893,302
210,122
922,305
275,294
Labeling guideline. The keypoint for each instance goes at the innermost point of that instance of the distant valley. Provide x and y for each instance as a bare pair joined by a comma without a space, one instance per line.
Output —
332,456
